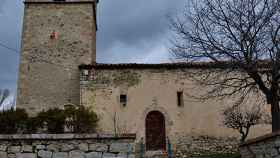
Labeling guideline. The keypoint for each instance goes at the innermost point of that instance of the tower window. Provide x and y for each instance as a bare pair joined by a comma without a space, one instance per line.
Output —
180,99
123,99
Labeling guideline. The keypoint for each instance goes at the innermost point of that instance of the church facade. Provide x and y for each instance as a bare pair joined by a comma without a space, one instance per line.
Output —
58,67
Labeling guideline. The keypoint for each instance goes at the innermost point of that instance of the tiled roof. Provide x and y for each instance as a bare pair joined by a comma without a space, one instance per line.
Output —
200,65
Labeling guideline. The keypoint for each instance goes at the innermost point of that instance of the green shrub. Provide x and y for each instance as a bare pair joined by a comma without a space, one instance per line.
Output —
81,119
32,125
53,119
13,121
78,119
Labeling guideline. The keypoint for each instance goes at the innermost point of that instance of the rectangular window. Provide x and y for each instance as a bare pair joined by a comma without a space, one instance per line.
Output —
180,99
123,99
84,75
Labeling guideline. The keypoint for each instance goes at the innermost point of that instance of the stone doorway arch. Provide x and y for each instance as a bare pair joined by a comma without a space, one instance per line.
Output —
155,131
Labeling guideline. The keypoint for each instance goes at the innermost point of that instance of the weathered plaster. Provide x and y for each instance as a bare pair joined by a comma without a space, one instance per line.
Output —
157,90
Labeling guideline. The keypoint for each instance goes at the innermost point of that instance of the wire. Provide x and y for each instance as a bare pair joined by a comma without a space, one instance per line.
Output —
45,61
48,62
9,48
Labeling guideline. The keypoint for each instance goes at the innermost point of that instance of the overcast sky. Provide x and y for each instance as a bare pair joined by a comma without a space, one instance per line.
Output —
134,31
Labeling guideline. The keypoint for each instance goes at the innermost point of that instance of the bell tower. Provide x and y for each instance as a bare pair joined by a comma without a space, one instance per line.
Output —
57,37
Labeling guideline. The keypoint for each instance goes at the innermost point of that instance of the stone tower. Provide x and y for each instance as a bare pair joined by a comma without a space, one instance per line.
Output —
58,36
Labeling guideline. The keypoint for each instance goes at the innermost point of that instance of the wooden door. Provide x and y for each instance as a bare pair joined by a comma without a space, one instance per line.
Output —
155,131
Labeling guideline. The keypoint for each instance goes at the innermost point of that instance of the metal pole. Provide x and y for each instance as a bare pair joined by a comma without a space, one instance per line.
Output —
169,148
142,148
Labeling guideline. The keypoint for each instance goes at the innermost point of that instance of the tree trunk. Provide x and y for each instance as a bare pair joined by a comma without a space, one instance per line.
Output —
245,134
275,113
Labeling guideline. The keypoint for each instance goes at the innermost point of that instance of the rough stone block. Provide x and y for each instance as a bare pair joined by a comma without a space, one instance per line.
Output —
27,148
277,156
121,147
83,146
26,155
76,154
40,147
94,155
44,154
3,147
108,155
274,152
157,154
67,147
131,155
14,149
126,155
53,147
60,155
277,143
98,147
122,155
259,156
11,155
3,154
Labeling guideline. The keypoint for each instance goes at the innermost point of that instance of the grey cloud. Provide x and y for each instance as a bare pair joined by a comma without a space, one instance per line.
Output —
129,31
10,31
2,3
140,52
133,23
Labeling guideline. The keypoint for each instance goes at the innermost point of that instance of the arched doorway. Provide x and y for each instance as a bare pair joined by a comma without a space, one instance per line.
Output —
155,131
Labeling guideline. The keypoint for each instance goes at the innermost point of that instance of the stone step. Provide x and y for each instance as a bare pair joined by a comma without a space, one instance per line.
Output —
156,154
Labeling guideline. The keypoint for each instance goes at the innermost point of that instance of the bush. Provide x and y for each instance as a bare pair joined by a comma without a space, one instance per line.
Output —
78,119
32,125
52,119
13,121
81,119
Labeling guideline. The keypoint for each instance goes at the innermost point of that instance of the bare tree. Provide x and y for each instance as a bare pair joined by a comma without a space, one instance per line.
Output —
242,119
4,94
241,40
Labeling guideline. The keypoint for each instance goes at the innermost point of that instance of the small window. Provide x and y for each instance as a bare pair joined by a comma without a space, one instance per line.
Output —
180,99
123,99
84,75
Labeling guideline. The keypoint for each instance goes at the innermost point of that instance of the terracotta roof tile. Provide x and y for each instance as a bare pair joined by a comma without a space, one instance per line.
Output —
199,65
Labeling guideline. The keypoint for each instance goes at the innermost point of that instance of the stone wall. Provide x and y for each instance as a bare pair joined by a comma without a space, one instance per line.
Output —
67,146
267,146
189,145
103,146
57,37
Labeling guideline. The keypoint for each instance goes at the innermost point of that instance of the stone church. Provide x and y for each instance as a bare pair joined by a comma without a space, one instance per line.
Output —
58,67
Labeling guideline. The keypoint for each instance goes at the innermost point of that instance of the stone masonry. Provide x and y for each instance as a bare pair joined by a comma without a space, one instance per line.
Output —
57,37
190,145
67,146
267,146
